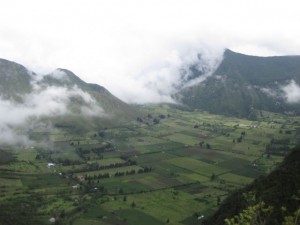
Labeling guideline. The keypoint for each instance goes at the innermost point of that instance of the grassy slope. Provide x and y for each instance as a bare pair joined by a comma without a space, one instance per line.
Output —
278,189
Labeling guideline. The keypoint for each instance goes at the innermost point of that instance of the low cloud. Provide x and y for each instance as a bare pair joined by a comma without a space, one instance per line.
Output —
270,92
59,75
176,68
291,92
42,102
118,43
11,137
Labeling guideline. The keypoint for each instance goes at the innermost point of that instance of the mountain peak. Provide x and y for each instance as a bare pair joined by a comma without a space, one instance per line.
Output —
231,53
243,83
14,80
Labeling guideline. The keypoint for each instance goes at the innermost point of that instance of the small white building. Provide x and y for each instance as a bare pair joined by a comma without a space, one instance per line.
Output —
50,165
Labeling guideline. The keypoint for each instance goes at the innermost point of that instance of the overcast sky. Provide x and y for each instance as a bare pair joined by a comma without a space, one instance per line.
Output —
135,47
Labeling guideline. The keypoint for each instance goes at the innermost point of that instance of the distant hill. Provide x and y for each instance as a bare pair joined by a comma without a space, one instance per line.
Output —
14,80
243,84
279,190
61,98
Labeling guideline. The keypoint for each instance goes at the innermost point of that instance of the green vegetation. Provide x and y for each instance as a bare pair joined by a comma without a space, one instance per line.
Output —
18,86
268,200
171,170
14,80
244,85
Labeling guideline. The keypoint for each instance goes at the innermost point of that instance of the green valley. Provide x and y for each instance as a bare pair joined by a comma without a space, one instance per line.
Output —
169,166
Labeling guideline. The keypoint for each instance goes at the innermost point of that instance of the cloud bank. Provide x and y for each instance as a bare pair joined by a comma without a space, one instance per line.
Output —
291,92
135,47
44,101
163,77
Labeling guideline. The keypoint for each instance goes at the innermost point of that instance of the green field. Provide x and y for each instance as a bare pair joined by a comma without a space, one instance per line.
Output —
166,172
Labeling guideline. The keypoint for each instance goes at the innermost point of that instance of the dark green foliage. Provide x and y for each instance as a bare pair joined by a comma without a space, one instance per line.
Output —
213,177
21,211
278,146
235,87
155,121
133,205
137,217
277,190
262,70
218,200
5,157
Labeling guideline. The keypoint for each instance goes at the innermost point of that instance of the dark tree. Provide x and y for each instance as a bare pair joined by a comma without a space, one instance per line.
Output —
213,177
218,200
133,205
156,121
201,144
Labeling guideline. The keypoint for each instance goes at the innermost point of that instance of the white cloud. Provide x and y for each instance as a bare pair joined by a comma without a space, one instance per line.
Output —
11,137
134,48
59,75
163,76
269,91
119,43
292,92
43,101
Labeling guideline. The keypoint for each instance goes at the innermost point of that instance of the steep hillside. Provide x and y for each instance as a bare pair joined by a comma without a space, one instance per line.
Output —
280,190
14,80
59,98
243,84
109,103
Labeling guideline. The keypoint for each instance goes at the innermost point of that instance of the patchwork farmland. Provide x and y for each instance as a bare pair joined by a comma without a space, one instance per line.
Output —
168,166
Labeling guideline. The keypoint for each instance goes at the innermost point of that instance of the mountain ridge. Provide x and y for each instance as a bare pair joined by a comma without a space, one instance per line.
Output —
243,84
60,97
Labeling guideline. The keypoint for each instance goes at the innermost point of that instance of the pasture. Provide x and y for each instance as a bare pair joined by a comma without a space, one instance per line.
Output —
165,168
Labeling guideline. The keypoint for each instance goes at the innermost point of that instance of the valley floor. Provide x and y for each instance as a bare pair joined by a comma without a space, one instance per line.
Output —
167,167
